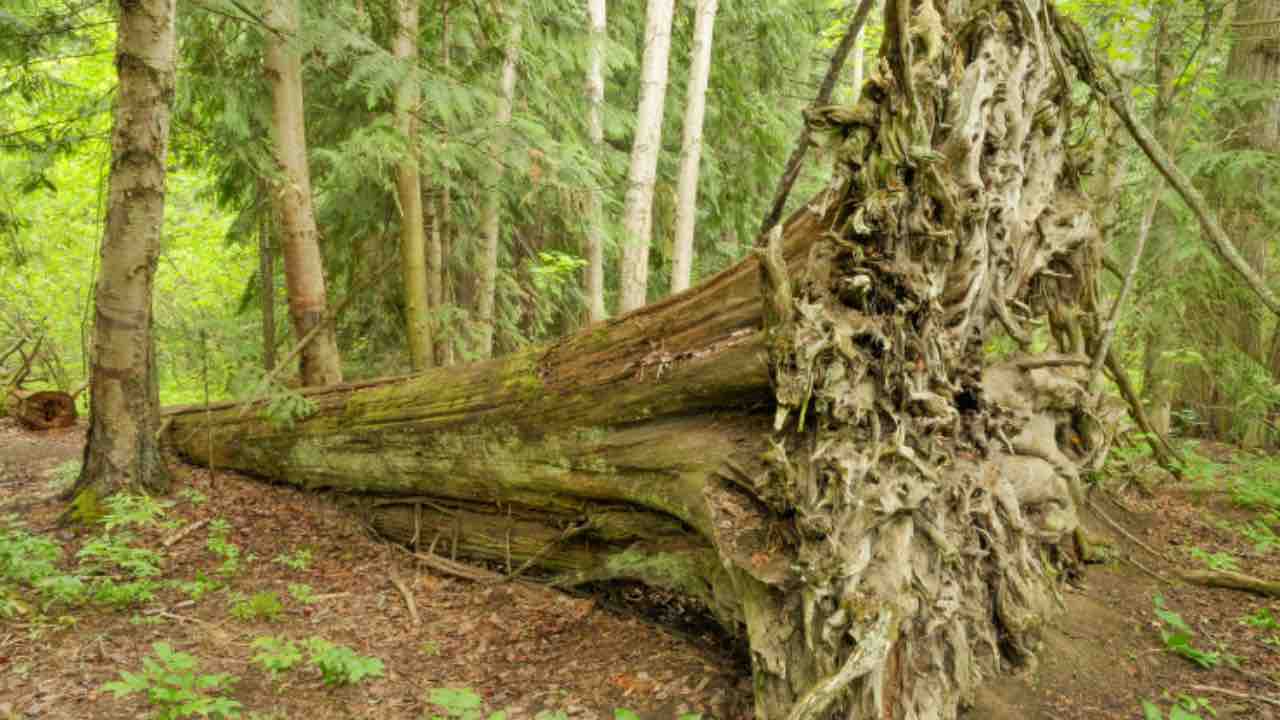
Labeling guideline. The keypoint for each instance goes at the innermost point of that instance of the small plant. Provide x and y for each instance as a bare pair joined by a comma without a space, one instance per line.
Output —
286,408
276,655
198,587
1216,561
124,594
114,551
219,545
173,686
1177,636
339,664
260,606
1259,533
1262,620
298,560
1184,707
62,477
430,648
193,496
130,510
458,704
302,593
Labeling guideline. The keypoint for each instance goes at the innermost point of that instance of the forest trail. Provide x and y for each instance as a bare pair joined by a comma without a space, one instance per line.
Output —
526,649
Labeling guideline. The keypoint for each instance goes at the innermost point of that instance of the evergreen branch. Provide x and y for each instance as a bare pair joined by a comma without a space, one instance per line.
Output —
54,58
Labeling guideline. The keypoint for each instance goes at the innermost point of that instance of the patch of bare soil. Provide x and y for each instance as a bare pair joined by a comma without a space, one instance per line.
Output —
1106,654
525,648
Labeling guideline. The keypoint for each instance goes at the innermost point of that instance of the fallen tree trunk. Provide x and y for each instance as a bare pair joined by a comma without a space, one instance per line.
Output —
816,444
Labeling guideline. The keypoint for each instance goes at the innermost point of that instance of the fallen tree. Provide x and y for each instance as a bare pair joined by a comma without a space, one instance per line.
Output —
817,443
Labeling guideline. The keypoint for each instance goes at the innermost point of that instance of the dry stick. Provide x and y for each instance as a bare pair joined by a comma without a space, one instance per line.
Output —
1164,452
1108,88
1232,581
1109,328
408,599
1237,695
792,169
176,537
1208,578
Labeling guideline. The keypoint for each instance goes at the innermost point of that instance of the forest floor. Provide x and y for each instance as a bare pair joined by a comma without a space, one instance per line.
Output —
232,561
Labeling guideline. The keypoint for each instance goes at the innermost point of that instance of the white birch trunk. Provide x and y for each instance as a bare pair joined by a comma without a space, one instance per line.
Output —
691,146
490,230
597,12
638,216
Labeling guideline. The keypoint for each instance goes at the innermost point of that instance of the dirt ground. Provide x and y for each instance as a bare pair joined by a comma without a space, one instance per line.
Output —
527,649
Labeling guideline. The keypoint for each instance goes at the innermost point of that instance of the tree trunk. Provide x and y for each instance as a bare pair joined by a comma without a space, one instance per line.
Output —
1253,70
413,241
637,218
291,197
1255,65
1158,381
122,451
437,244
691,152
884,512
267,285
487,287
596,234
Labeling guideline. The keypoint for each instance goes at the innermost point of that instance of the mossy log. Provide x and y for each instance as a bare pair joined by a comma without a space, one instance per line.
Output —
817,443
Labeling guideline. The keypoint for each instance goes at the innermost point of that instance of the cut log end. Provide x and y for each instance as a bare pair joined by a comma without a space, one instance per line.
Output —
42,410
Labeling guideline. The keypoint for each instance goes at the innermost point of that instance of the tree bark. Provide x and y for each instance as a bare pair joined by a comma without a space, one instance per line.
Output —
596,233
303,267
267,284
814,443
438,242
122,451
490,228
413,241
642,176
691,153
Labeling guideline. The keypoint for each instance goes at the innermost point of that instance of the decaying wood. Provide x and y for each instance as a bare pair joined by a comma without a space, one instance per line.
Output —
42,409
815,444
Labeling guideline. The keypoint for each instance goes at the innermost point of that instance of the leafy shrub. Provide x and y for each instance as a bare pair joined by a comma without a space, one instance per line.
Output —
1177,636
175,689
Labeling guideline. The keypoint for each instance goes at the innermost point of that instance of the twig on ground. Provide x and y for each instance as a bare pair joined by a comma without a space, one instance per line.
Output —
408,599
1236,695
175,538
1118,528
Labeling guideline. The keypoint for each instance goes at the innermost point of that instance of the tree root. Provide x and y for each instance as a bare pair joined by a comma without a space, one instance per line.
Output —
1237,695
873,647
